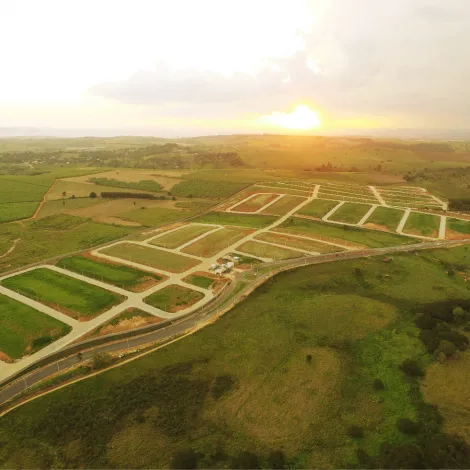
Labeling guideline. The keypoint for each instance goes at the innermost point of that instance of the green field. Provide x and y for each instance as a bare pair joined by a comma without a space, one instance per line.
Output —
385,217
173,298
25,330
153,257
284,205
209,189
198,280
458,225
350,213
224,397
144,185
254,203
318,208
180,236
75,298
276,189
419,223
217,241
16,189
338,234
16,211
118,275
67,205
267,251
243,220
293,242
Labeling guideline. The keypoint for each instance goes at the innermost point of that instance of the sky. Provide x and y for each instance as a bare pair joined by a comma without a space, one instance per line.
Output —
191,67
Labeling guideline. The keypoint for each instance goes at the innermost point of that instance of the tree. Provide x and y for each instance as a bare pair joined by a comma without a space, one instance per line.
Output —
309,358
73,196
378,384
446,451
355,431
406,426
79,357
459,315
276,459
401,456
93,195
64,193
412,368
245,460
446,349
184,459
100,360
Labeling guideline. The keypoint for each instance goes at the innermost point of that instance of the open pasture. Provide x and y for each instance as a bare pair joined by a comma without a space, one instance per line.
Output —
295,242
426,225
217,241
173,298
254,202
181,236
122,276
385,218
242,220
264,250
153,257
25,329
457,228
284,205
350,213
73,297
318,208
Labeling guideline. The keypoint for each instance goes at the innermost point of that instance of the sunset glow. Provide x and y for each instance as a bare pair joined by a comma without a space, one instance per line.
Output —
301,118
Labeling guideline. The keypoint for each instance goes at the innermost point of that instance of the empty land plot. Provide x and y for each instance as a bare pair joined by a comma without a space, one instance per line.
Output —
292,185
181,236
255,202
318,208
426,225
293,192
158,259
346,197
457,228
352,236
25,329
350,213
242,220
174,298
301,243
205,280
357,190
118,275
268,251
210,189
75,298
284,205
384,218
211,244
66,205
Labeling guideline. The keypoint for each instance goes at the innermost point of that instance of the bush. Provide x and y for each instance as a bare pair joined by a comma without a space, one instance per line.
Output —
184,459
378,384
446,451
245,460
401,456
406,426
93,195
100,360
411,368
425,321
355,431
276,459
446,348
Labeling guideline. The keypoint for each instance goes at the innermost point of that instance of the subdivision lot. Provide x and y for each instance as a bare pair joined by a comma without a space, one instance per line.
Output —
211,244
158,259
350,213
384,218
174,298
243,220
268,251
294,242
203,280
72,297
180,236
118,275
283,205
426,225
283,190
457,228
254,203
335,233
25,329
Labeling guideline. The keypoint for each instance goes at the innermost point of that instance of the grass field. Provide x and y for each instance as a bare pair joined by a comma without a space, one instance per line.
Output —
284,205
384,217
294,242
181,236
118,275
16,211
243,220
75,298
255,203
318,208
211,244
458,226
158,259
57,206
419,223
350,213
352,235
206,188
268,251
174,298
225,397
206,282
25,330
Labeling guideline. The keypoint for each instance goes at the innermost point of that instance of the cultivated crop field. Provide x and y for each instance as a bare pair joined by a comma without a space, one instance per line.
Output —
426,225
25,329
268,251
72,297
350,213
174,298
181,236
385,218
153,257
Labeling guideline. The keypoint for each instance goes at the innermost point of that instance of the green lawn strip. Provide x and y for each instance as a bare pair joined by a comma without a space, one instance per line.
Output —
419,223
284,205
200,281
318,208
458,225
159,259
211,244
121,276
16,210
51,288
350,213
25,329
339,234
243,220
301,243
181,236
385,217
173,298
268,251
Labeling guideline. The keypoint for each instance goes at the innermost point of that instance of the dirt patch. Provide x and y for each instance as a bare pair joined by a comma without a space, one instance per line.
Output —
10,250
117,221
382,228
129,324
451,235
4,357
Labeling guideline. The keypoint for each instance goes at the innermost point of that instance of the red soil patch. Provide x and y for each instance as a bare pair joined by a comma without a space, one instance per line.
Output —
451,235
382,228
5,357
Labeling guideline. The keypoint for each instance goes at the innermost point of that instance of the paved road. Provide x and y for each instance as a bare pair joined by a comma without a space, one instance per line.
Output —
205,314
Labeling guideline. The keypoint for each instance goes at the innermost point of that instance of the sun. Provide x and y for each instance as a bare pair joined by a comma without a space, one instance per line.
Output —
302,118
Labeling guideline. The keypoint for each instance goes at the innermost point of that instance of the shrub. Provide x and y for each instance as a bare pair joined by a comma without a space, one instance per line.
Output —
184,459
309,358
245,460
222,385
446,451
378,384
100,360
401,456
93,195
411,368
446,347
459,315
406,426
425,321
355,431
276,459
